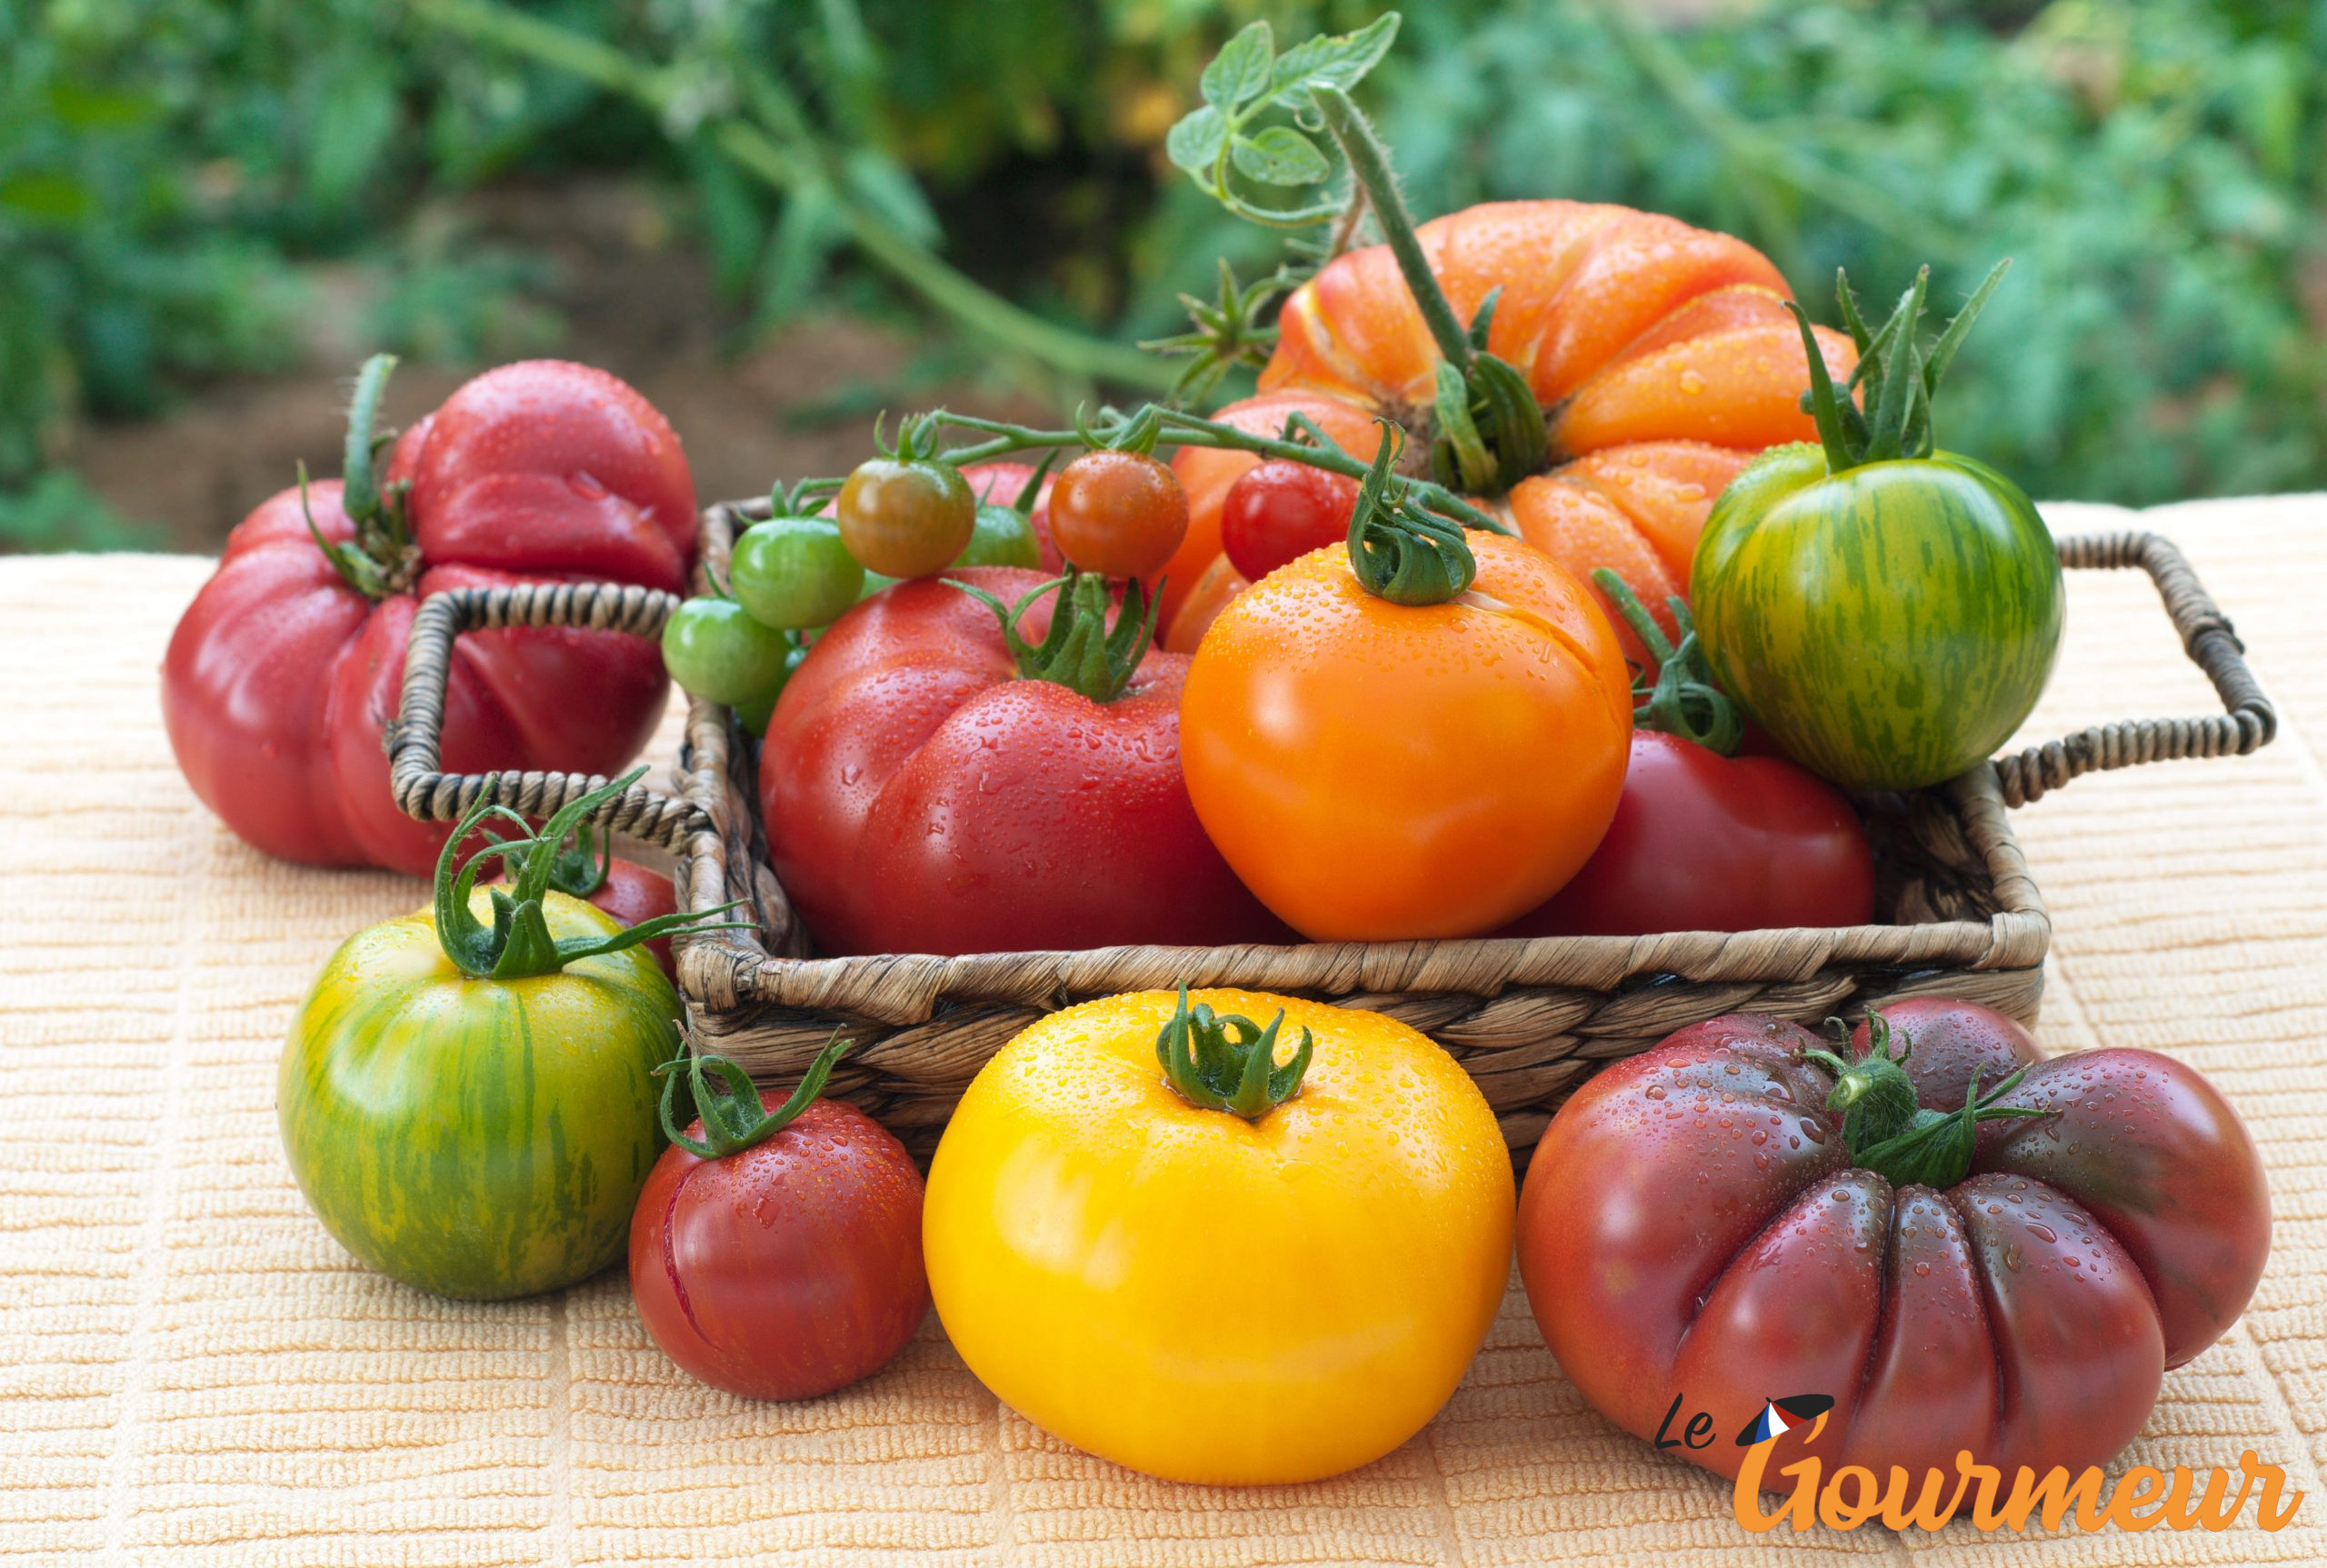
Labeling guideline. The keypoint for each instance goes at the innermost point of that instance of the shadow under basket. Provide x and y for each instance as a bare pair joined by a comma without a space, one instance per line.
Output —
1959,914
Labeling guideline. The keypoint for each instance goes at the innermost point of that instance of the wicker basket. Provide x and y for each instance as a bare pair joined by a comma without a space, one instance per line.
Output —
1526,1017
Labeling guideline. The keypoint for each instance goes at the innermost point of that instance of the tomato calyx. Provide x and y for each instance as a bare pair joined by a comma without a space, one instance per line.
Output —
1885,1129
1683,700
1213,1072
1401,551
574,870
1080,652
1491,432
1903,373
518,943
727,1102
382,560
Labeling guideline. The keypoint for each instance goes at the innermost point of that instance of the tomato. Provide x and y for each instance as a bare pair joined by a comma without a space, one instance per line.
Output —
1888,612
1004,485
1213,589
1379,772
723,654
1701,1223
1702,842
1280,510
921,796
779,1257
1889,625
467,1097
1205,1297
793,573
906,517
1002,536
283,671
1118,513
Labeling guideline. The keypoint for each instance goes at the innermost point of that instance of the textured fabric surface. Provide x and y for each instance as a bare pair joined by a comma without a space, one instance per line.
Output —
192,1373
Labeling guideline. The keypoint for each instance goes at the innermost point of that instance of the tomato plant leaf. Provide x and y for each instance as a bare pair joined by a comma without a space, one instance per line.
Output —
1340,60
1279,155
1195,142
1240,72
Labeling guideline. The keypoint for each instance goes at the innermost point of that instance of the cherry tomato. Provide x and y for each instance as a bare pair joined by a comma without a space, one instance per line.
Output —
786,1269
906,517
1281,510
1702,842
716,649
1118,513
1002,536
792,573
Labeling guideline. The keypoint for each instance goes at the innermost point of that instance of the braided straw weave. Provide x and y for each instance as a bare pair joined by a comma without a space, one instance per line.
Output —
1527,1018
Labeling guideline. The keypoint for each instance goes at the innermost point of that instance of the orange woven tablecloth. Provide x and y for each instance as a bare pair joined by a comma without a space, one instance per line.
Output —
191,1371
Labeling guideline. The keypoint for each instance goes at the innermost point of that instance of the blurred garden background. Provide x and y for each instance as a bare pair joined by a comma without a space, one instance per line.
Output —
778,217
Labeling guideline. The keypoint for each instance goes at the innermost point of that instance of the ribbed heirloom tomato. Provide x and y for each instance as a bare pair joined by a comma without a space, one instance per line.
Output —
1662,357
1965,1248
284,671
1153,1238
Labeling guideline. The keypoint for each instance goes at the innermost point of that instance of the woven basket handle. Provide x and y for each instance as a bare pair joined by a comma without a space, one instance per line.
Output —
2246,722
415,742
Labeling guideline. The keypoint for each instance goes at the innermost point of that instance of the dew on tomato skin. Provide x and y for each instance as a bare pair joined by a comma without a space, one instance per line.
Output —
1923,1271
1690,493
2043,1232
1692,382
1761,1137
1655,1091
585,485
1812,1131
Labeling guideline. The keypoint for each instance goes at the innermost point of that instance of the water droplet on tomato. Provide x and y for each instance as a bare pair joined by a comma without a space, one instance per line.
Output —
1692,382
2041,1232
1923,1271
585,485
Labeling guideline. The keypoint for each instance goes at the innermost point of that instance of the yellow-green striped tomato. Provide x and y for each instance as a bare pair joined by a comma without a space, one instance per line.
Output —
477,1137
1889,625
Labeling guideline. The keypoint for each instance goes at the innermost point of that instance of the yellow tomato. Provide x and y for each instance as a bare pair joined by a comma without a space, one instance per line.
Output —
1207,1298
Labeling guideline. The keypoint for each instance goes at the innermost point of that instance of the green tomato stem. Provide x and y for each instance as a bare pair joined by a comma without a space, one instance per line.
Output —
728,1103
1215,1071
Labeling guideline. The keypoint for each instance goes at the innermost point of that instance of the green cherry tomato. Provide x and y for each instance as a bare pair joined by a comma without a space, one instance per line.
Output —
795,572
716,649
906,517
753,714
1002,536
1889,625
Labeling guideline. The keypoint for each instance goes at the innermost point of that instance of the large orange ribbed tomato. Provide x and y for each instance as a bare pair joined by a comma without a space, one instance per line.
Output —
1662,354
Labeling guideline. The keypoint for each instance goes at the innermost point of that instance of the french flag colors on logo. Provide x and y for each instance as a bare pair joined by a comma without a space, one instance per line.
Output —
1782,1415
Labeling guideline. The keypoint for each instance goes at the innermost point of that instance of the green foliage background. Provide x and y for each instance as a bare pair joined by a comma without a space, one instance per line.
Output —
173,171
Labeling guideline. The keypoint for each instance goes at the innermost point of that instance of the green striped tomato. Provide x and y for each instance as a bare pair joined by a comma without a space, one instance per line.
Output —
1889,625
476,1137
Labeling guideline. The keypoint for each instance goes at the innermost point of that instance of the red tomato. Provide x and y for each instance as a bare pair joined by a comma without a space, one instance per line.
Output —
1280,510
280,675
921,798
788,1269
1118,513
1702,842
1696,1224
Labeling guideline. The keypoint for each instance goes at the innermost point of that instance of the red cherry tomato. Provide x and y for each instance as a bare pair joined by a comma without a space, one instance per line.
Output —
1702,842
281,674
1118,513
1281,510
1698,1222
788,1269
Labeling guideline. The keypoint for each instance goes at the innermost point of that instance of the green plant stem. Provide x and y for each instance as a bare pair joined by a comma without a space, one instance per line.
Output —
796,162
1369,167
1182,429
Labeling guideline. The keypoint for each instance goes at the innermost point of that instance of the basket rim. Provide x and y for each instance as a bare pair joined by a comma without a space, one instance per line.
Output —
722,971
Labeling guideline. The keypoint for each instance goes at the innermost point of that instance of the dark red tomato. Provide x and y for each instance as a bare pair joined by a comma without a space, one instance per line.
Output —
1702,842
281,676
1697,1223
788,1269
921,798
1280,510
1118,513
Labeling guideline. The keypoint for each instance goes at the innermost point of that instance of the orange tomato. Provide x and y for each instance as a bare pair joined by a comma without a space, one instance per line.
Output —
1662,354
1376,772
